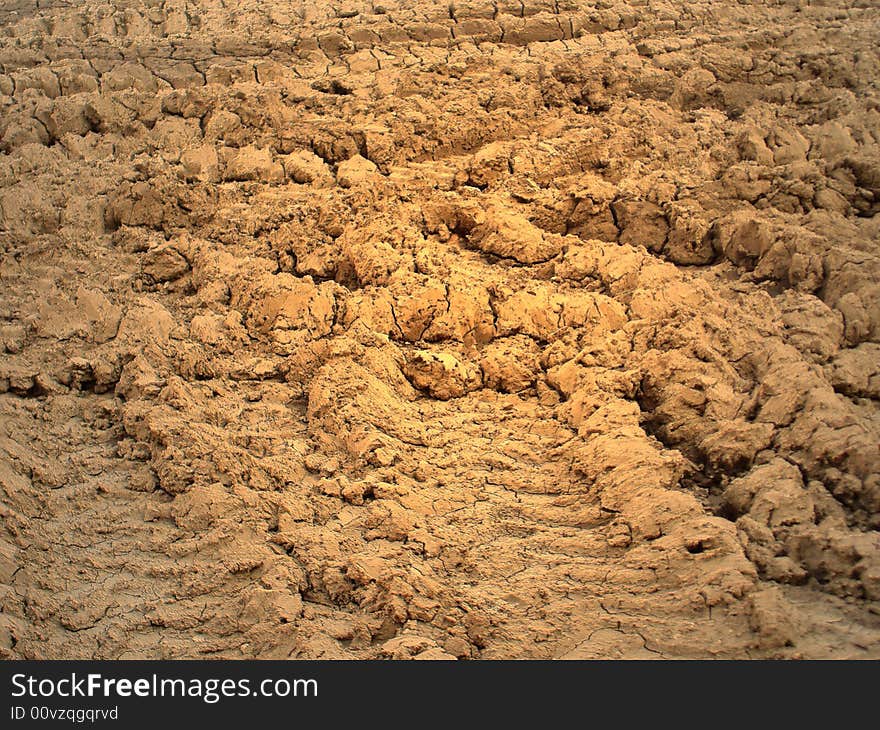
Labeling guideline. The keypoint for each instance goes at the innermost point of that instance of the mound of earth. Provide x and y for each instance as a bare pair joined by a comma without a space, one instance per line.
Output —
534,329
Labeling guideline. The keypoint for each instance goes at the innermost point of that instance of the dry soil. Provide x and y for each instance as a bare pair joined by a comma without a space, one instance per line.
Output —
514,329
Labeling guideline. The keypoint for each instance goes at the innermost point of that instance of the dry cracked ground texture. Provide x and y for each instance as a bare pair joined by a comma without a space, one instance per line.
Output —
480,330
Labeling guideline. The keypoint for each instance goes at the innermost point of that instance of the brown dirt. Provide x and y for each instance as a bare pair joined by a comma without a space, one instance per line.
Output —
491,329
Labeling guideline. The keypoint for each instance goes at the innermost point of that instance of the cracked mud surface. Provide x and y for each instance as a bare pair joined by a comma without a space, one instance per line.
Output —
540,329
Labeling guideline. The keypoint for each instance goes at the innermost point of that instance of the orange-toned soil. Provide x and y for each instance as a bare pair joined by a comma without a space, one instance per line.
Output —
540,329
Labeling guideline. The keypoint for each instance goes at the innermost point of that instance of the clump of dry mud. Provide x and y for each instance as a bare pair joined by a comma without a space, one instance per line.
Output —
501,329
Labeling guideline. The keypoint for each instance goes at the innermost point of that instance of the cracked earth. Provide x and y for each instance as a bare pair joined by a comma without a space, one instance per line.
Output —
515,329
